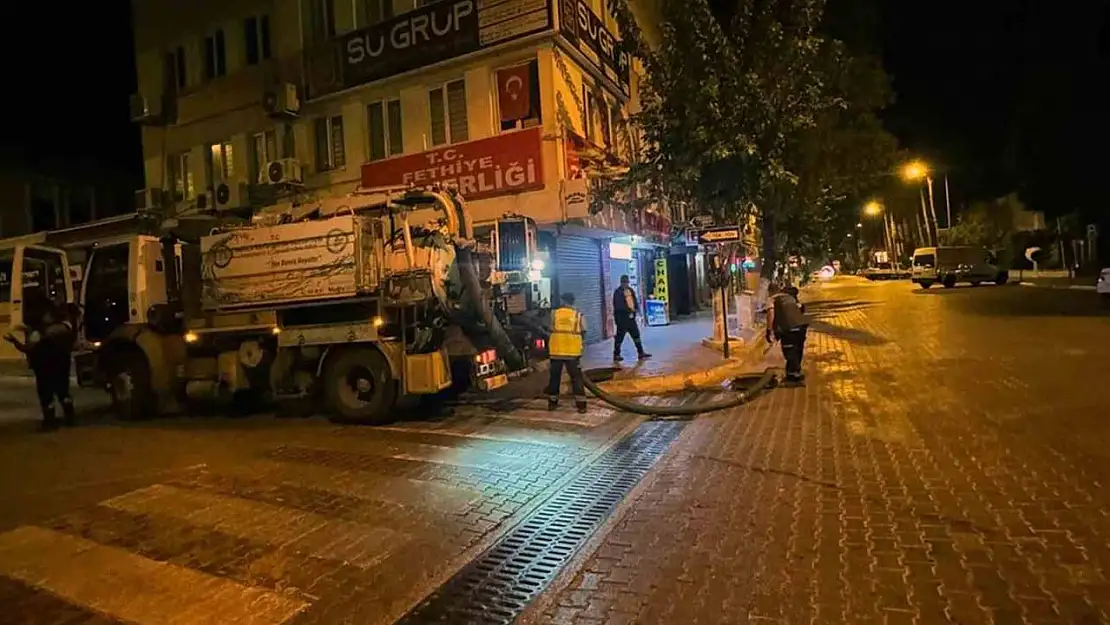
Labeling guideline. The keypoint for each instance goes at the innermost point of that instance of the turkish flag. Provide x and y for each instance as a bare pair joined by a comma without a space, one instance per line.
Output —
514,93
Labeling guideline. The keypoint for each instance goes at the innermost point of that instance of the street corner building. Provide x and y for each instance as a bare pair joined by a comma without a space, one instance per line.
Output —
518,104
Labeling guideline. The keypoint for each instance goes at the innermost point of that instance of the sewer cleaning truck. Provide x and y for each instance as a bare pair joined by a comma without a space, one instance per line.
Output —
348,303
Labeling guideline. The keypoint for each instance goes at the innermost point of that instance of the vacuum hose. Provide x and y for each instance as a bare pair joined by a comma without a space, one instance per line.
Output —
765,381
477,316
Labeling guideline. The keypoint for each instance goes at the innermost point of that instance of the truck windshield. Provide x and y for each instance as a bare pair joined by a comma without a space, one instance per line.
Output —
924,260
106,291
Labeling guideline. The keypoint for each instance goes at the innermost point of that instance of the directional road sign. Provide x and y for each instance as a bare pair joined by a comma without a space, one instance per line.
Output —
723,234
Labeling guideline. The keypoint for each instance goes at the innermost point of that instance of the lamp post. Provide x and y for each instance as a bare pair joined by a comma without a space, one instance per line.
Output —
916,171
875,209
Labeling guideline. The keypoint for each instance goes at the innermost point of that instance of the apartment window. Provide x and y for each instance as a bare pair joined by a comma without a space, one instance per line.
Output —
448,109
80,201
589,103
175,66
215,55
331,153
534,116
221,162
619,130
263,149
44,207
288,143
322,19
605,123
374,11
180,176
256,35
385,129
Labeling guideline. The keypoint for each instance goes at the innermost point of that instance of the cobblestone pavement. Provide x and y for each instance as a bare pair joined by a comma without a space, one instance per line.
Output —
948,462
264,520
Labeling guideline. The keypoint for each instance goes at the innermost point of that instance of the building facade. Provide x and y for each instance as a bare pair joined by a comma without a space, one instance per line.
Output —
517,103
43,198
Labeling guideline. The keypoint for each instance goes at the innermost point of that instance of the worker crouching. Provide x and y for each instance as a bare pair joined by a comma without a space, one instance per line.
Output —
568,328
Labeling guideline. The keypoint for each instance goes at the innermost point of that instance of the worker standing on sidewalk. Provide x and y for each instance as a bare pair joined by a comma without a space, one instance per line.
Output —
625,307
786,322
568,328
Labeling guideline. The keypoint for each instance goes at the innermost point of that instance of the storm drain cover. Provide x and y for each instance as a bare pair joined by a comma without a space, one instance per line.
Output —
495,588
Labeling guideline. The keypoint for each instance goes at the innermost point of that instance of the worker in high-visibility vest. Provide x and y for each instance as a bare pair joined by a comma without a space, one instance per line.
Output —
568,327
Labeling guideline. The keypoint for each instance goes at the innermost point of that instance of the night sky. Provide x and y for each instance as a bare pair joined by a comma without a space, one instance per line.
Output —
1005,95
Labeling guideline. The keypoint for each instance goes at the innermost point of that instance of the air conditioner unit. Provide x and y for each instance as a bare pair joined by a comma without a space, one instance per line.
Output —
231,195
283,171
282,100
145,109
148,199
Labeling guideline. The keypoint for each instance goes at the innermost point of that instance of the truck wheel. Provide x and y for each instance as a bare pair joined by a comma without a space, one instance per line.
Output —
1003,278
949,281
358,387
129,387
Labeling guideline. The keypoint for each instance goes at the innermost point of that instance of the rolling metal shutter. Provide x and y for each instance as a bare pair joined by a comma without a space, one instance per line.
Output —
578,270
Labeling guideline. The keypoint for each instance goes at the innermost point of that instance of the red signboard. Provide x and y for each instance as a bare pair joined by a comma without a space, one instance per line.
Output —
500,165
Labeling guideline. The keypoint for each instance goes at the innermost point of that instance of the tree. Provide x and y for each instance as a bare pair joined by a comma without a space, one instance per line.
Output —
755,111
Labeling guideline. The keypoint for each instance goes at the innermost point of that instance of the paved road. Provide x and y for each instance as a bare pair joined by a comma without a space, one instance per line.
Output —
948,462
267,520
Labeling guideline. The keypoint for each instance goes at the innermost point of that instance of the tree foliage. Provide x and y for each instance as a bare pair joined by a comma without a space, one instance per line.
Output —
757,110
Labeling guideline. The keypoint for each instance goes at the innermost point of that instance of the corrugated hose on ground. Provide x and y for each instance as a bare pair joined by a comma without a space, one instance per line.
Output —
767,380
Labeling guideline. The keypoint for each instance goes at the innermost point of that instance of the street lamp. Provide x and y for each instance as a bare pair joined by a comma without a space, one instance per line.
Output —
916,171
874,209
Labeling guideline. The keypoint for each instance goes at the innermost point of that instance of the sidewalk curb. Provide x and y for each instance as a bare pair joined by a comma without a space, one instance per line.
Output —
1073,287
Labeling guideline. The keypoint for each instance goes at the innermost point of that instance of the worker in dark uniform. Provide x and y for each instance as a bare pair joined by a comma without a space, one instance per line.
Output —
787,323
625,307
568,327
49,350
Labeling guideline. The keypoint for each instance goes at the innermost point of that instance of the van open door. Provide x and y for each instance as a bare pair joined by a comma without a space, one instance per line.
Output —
31,278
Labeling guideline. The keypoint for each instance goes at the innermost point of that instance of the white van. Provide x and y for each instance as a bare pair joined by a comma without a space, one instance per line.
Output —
951,265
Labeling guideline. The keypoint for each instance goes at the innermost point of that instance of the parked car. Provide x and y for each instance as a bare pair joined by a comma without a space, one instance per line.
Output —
952,265
1103,284
881,271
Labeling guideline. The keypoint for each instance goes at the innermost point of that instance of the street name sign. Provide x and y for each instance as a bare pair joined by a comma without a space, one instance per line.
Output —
726,234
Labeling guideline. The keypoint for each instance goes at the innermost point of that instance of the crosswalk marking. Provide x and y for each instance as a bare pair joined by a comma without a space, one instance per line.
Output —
435,454
394,490
563,416
358,544
466,435
133,588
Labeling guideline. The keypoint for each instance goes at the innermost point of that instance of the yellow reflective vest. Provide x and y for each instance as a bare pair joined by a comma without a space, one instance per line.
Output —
567,326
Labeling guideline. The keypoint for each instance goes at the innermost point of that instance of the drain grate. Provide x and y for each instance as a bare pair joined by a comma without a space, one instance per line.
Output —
495,588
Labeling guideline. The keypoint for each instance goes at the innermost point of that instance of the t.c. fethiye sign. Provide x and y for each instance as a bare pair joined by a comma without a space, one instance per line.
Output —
434,33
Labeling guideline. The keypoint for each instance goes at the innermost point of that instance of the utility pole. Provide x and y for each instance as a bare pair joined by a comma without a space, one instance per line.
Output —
933,209
925,218
947,203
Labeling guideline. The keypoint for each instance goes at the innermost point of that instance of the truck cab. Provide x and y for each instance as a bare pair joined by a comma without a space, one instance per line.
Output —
124,286
31,278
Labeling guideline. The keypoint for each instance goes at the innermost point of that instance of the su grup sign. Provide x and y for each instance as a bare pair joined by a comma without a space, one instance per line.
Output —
499,165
